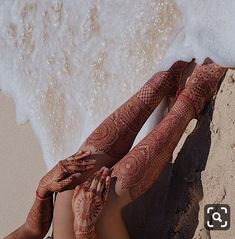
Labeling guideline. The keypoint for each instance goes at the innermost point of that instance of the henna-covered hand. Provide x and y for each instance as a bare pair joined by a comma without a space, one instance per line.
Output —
62,177
87,203
65,175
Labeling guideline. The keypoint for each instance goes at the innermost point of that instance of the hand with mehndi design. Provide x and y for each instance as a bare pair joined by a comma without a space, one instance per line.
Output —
65,175
87,203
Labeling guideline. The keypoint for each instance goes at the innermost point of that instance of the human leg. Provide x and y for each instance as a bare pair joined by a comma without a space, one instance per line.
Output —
140,168
114,137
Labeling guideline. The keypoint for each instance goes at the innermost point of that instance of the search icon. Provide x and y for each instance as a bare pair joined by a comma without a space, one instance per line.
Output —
216,216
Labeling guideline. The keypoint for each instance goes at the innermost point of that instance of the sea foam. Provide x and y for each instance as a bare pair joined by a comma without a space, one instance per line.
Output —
206,30
68,64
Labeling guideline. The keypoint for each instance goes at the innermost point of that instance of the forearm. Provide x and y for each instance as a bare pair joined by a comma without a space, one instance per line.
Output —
20,232
38,221
40,217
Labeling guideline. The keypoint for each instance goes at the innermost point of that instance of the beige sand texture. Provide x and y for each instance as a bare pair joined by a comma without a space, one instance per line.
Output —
21,167
203,172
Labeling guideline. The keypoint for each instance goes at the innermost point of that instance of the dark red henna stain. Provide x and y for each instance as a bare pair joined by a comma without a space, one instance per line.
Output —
88,202
62,176
40,216
116,134
140,168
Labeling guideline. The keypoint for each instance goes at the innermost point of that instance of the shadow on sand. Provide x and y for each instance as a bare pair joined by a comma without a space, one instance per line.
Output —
169,210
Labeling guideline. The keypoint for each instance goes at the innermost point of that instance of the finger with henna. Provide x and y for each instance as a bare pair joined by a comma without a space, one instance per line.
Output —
74,166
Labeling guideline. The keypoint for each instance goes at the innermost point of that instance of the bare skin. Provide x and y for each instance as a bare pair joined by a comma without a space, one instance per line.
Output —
64,176
114,137
87,203
141,167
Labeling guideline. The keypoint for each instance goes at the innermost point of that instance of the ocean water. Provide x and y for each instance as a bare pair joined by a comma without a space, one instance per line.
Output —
206,30
69,63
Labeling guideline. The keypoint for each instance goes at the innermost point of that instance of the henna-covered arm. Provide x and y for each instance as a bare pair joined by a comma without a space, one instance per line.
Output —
21,232
88,202
64,176
38,220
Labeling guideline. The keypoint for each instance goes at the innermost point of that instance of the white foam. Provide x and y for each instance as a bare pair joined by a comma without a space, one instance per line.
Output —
206,30
69,63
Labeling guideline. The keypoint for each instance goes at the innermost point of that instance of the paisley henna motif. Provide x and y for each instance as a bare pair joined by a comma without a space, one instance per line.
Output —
140,168
88,202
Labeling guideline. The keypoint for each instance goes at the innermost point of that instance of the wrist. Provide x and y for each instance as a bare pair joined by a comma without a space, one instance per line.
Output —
43,197
85,233
42,193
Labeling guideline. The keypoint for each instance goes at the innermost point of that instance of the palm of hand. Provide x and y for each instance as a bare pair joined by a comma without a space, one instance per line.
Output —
88,201
87,207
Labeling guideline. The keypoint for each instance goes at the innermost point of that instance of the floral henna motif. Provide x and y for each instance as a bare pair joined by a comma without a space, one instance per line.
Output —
132,167
138,170
88,202
62,177
65,174
116,134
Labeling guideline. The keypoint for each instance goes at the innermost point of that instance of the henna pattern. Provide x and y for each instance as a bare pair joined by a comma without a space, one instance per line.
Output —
38,221
203,82
40,216
65,174
116,134
140,168
62,177
88,202
17,234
